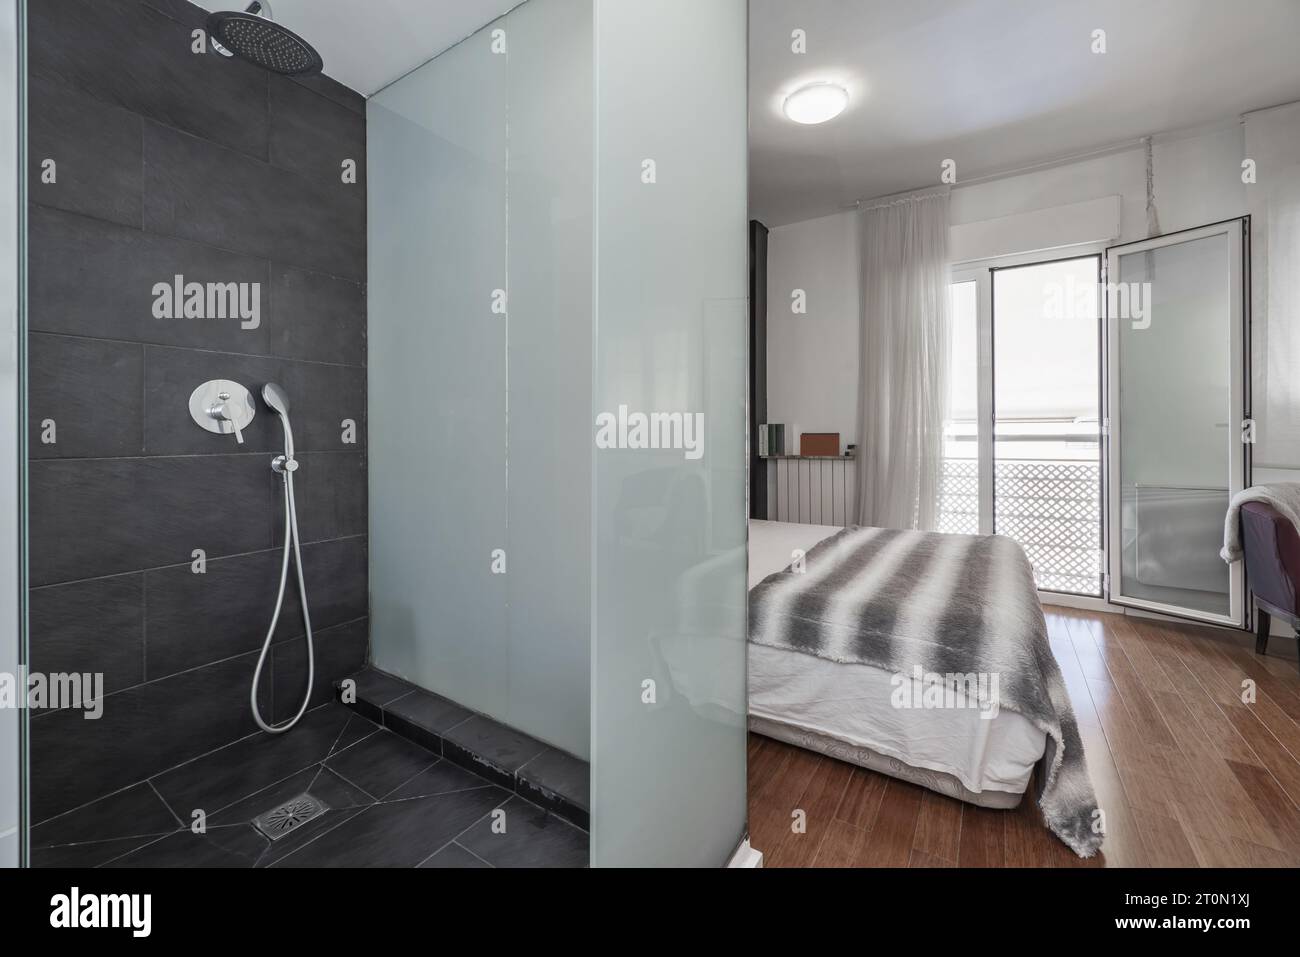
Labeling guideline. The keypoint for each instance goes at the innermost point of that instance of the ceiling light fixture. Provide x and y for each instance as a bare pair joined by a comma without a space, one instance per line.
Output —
816,103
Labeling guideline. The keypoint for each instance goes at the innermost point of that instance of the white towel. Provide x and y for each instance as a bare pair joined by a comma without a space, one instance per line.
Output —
1283,496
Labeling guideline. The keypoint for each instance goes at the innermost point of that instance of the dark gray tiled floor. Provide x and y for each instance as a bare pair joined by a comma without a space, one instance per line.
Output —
391,804
382,765
510,759
453,855
530,837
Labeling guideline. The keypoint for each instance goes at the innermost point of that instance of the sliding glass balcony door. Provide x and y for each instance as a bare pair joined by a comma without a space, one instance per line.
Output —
1179,439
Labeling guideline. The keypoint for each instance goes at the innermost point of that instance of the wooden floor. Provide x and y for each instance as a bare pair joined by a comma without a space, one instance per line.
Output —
1186,773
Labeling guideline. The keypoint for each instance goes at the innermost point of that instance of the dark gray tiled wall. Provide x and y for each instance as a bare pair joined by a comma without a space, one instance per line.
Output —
172,163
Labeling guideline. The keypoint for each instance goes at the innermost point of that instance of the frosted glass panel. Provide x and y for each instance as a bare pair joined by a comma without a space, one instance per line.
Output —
549,375
480,372
1177,437
669,640
12,226
437,374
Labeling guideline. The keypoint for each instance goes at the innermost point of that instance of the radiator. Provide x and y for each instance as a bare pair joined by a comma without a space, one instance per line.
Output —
815,490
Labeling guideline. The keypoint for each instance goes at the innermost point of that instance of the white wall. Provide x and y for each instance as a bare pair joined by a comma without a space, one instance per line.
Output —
812,360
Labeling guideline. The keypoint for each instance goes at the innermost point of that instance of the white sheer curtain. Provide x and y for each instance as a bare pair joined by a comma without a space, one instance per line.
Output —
903,387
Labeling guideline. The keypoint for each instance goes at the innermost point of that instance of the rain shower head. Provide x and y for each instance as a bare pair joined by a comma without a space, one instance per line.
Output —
255,37
275,399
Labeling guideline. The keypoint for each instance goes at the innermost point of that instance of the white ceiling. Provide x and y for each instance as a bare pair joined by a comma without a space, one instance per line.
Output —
367,44
994,85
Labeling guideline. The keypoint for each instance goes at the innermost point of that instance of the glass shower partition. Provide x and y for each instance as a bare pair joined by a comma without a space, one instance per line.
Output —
557,356
669,651
12,349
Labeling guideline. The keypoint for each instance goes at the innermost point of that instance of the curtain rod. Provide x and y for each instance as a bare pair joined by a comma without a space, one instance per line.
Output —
905,196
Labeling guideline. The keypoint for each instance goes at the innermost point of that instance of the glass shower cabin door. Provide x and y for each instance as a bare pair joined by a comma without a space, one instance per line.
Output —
1177,395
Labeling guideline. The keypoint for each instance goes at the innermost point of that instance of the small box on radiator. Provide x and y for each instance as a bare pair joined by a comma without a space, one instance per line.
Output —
819,443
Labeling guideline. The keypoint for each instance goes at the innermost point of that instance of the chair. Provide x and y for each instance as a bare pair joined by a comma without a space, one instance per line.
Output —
1272,549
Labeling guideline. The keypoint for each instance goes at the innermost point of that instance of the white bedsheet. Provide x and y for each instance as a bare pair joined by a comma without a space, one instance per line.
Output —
851,702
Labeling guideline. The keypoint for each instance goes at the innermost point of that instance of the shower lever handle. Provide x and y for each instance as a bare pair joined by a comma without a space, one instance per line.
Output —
222,412
234,424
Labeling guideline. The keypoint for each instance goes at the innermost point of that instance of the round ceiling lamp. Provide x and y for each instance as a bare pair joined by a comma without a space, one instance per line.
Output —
816,103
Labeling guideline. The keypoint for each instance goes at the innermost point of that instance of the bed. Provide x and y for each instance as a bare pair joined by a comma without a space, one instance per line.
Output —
810,691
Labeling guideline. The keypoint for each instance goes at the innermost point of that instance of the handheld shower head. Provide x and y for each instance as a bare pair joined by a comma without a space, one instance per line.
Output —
254,36
275,399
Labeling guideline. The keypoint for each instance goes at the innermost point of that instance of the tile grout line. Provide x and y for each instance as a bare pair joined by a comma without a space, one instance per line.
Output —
165,802
208,664
471,853
144,629
420,797
144,230
360,450
202,350
168,567
339,737
109,840
360,740
373,800
383,799
139,847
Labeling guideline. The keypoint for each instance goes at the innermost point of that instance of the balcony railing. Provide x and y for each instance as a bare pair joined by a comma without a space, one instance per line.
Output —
1051,507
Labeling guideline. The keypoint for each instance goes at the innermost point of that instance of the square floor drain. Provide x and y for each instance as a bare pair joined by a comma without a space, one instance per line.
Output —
289,816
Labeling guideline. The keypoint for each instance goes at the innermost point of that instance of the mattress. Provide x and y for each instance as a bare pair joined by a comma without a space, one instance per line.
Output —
843,709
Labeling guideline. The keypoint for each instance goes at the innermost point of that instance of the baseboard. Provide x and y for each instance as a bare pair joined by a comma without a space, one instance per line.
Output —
745,856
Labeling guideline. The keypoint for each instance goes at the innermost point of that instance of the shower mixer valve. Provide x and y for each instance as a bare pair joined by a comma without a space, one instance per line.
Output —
223,407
